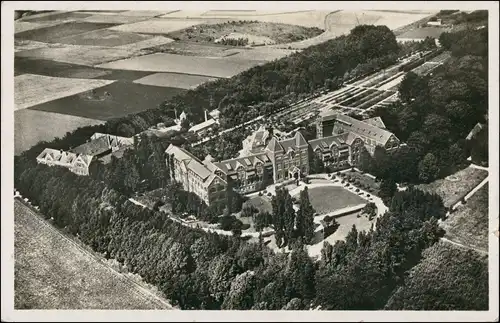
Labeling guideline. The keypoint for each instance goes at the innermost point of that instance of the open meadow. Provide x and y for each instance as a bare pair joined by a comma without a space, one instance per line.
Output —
327,199
468,225
31,127
115,100
54,272
454,187
33,89
174,80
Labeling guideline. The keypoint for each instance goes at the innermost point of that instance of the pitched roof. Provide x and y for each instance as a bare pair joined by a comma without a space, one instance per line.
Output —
189,160
114,141
247,162
203,125
328,142
362,128
93,147
274,145
63,157
376,121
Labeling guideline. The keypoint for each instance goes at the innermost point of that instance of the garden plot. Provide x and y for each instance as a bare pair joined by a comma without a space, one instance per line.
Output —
82,55
160,62
454,187
53,272
30,89
182,81
103,37
114,100
157,26
31,127
53,33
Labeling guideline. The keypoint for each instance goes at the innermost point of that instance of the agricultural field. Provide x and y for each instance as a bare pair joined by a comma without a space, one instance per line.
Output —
82,55
23,65
31,126
52,34
195,49
53,272
174,80
454,187
103,37
114,100
468,225
255,33
327,199
33,89
157,26
172,63
421,33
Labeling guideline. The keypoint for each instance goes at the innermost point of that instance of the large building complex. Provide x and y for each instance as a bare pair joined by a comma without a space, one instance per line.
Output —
266,159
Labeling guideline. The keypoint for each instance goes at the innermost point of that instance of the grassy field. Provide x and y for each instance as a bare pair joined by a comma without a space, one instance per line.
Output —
174,80
195,49
103,37
31,126
157,26
418,33
257,33
262,53
161,62
147,44
331,198
124,98
53,272
114,19
49,17
469,224
24,65
454,187
33,89
20,45
52,34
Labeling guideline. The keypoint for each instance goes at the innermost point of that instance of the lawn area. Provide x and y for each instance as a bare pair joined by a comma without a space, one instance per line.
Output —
54,272
327,199
454,187
468,225
262,203
31,126
52,34
255,32
124,98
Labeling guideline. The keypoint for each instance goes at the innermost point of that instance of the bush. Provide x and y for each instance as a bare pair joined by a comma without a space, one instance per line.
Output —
342,182
338,173
357,190
260,194
269,194
368,195
245,226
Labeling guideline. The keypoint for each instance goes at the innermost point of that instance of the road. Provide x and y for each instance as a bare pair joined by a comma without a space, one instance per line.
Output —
98,259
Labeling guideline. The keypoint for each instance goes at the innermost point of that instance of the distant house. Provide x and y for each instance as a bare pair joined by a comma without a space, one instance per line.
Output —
75,162
201,128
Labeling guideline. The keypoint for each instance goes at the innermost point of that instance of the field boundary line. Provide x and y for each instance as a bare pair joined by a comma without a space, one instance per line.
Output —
58,232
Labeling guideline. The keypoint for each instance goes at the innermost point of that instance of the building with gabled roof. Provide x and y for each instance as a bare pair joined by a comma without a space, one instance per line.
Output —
267,159
194,175
77,163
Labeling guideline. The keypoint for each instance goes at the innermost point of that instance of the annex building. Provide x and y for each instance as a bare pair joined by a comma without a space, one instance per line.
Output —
266,159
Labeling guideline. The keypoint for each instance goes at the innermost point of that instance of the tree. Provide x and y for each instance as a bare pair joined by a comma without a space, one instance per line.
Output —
428,168
241,292
387,190
305,217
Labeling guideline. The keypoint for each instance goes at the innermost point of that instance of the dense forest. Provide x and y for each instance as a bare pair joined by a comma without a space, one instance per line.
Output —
436,112
369,270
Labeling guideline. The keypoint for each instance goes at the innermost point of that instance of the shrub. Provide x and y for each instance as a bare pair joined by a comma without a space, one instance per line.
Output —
368,195
357,190
338,173
260,193
245,226
269,194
